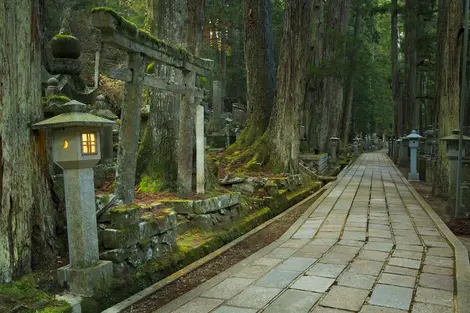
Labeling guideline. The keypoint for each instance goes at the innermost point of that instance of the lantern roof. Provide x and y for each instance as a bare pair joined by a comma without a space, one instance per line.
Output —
455,136
74,115
334,138
414,135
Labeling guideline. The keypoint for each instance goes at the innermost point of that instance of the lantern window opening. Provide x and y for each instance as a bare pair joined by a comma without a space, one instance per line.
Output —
89,144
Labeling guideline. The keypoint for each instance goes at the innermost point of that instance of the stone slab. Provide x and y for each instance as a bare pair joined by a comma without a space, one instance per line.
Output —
378,309
253,271
293,301
436,281
397,280
326,270
281,253
345,298
254,297
408,263
430,308
373,255
313,283
366,267
433,296
392,297
267,261
437,270
401,270
355,280
439,261
296,264
199,305
378,246
231,309
277,279
228,288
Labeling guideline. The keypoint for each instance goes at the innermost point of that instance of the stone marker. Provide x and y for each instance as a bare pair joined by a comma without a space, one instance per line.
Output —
199,149
413,138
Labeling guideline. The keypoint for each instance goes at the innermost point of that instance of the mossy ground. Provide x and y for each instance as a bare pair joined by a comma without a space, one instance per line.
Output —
25,295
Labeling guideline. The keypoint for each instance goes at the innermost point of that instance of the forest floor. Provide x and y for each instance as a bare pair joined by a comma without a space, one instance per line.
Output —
460,227
226,260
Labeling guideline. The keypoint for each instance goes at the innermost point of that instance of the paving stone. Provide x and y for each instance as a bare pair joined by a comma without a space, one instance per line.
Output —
228,288
294,243
345,249
231,309
397,280
313,283
320,309
310,251
267,261
380,233
379,239
281,253
407,240
337,258
352,243
373,255
252,271
353,235
355,280
378,309
378,246
255,297
391,297
304,233
415,264
327,235
326,270
345,298
405,254
199,305
430,308
438,270
293,301
437,244
323,242
366,267
417,248
379,227
277,279
296,264
439,261
444,252
434,296
436,281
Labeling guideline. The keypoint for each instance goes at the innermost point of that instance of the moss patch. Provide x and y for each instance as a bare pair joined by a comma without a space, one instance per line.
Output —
25,292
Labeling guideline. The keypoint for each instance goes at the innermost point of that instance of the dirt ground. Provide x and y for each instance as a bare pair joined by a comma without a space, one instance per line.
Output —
220,263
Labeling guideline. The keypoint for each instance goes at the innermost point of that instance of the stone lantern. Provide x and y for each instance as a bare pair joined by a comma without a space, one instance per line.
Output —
413,143
334,144
428,141
76,149
356,145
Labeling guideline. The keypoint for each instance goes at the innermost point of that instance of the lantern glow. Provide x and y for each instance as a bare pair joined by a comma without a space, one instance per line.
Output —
89,143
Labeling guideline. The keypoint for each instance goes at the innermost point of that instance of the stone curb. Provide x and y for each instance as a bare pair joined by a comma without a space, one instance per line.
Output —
121,306
462,267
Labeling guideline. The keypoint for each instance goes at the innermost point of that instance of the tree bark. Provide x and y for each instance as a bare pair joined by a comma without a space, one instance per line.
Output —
398,122
157,162
411,105
26,208
279,146
447,85
349,91
260,68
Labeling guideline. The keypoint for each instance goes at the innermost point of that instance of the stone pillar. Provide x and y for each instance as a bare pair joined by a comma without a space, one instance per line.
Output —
129,130
216,124
97,67
185,136
200,180
334,141
413,142
403,158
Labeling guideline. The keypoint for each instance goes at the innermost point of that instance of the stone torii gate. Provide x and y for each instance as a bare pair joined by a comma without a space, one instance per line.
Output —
141,49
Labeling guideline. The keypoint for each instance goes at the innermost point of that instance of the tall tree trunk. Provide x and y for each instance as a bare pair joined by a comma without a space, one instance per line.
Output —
25,200
156,166
312,117
260,68
411,105
447,84
279,146
398,122
349,88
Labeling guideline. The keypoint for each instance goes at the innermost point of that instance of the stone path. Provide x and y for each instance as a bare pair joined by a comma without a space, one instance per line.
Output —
366,246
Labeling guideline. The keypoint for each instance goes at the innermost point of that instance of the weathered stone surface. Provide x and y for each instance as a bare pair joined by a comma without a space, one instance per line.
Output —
296,264
246,188
326,270
293,301
115,255
228,288
436,281
254,297
124,216
231,309
120,238
136,256
156,223
392,297
277,279
180,206
430,308
397,280
199,305
345,298
355,280
313,283
433,296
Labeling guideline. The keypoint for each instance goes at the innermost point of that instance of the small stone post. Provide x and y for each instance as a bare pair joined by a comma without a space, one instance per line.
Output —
97,67
334,141
452,142
216,106
76,149
200,180
414,139
356,146
52,87
129,130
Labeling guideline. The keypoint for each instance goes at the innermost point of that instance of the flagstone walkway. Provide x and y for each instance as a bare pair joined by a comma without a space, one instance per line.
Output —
367,245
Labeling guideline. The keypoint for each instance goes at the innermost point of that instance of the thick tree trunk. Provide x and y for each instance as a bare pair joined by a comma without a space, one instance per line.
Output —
349,88
447,84
411,105
157,163
398,122
25,200
279,146
260,68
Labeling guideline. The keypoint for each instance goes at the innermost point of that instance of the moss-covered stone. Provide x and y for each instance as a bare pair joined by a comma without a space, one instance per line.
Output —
65,46
120,238
181,206
124,216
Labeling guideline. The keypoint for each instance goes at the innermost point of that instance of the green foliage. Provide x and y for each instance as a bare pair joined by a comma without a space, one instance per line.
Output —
150,185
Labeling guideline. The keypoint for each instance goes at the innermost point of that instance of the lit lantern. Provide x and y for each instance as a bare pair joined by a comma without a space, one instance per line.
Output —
76,149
